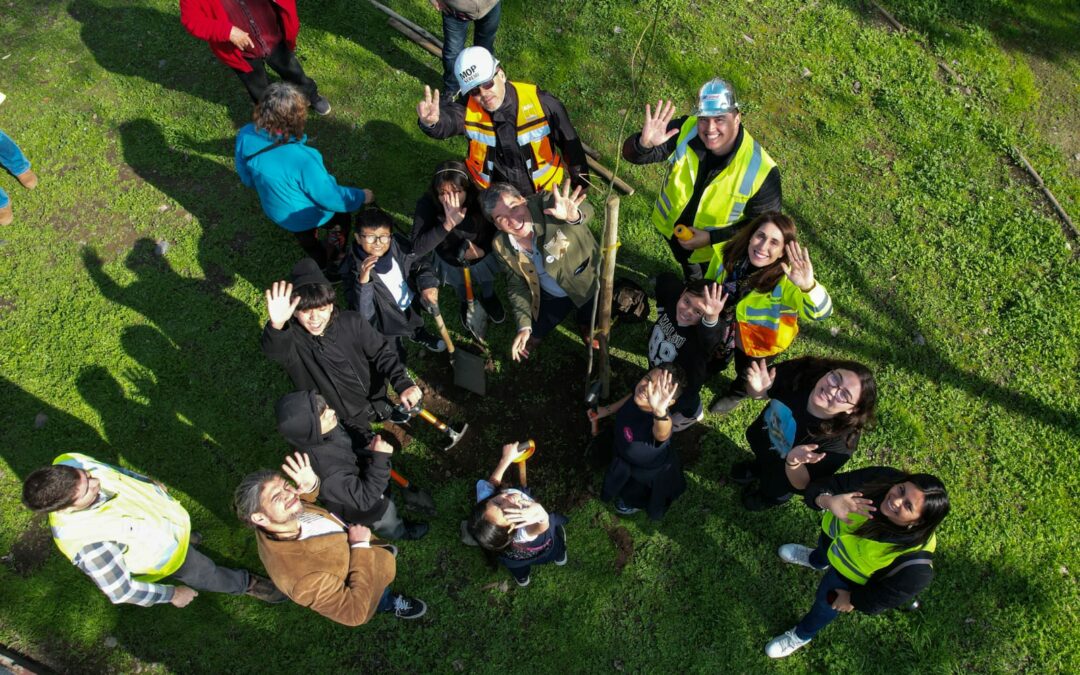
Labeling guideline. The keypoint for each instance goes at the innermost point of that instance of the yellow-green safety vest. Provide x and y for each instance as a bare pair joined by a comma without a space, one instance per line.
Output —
857,558
767,323
153,528
724,198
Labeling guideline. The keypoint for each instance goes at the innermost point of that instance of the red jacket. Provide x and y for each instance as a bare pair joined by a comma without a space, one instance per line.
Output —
207,20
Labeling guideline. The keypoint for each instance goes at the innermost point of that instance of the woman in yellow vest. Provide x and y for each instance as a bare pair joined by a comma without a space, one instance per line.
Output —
876,546
769,281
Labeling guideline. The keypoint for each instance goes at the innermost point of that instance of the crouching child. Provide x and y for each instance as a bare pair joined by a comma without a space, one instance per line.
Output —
512,528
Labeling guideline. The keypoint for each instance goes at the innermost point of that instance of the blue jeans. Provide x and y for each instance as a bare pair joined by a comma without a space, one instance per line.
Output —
386,602
455,31
821,613
12,159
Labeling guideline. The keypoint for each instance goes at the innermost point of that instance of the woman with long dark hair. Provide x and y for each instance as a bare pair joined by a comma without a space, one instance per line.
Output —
449,221
769,282
817,411
876,546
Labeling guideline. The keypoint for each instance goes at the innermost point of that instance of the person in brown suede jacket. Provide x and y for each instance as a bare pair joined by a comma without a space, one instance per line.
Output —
312,556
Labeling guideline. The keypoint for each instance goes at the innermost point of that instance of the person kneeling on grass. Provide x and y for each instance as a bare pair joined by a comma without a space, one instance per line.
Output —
312,556
687,332
513,529
354,478
386,282
645,472
876,546
817,411
295,189
336,353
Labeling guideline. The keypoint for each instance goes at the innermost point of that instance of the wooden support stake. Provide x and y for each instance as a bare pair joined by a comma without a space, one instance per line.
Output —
415,37
1045,190
416,28
607,288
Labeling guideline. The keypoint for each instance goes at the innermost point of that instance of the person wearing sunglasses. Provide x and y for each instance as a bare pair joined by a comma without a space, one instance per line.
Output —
817,411
719,176
518,133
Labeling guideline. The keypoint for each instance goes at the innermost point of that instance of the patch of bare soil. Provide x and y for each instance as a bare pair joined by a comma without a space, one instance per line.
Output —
31,549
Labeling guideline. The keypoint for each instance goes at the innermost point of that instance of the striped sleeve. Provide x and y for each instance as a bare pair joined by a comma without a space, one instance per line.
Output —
104,563
817,304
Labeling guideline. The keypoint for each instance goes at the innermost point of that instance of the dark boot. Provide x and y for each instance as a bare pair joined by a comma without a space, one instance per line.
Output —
263,589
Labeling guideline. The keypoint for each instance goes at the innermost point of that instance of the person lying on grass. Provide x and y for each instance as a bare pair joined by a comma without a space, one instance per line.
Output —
511,528
769,281
354,478
687,332
645,472
876,546
817,411
312,556
387,281
334,352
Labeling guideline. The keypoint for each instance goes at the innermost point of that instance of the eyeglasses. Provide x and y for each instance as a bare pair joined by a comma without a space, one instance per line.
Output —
475,91
836,382
372,238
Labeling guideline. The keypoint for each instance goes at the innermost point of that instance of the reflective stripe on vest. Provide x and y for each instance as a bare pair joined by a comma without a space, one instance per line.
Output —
532,129
724,200
151,527
858,558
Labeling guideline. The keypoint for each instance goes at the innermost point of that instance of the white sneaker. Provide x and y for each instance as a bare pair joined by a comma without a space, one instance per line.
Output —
797,554
783,645
681,423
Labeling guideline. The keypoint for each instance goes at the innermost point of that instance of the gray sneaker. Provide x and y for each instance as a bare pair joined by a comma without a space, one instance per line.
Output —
321,106
797,554
725,404
784,645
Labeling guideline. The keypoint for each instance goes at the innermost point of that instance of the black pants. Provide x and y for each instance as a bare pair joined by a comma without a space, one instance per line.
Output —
554,309
682,256
309,239
285,64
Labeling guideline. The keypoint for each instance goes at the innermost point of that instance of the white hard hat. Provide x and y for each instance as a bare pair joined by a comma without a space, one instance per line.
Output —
473,67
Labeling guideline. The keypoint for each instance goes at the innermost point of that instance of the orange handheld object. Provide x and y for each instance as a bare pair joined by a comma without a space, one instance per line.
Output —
468,283
594,421
525,449
399,479
683,232
434,420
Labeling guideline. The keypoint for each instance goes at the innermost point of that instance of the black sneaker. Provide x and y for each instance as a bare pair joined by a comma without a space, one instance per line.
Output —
263,589
753,500
320,105
408,608
562,533
415,530
725,404
433,343
523,582
493,308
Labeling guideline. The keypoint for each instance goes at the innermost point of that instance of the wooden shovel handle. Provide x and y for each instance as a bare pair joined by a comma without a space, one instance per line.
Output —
432,419
445,334
468,283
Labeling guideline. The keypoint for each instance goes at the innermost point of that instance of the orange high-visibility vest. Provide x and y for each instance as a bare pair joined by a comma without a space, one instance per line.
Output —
532,129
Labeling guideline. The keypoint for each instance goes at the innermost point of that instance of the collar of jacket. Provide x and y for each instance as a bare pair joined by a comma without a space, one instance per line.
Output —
265,135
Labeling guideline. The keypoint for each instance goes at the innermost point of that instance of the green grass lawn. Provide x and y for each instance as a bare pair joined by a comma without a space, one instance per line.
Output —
949,274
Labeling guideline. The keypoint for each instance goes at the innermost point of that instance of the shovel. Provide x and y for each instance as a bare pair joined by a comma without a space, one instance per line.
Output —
476,318
468,368
414,496
454,434
525,449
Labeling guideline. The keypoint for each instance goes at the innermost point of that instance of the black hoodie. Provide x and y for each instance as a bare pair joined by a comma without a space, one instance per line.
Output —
353,480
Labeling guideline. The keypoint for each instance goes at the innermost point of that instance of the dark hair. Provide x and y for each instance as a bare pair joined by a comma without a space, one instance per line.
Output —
374,218
314,295
492,197
320,404
678,376
763,279
935,508
247,498
488,535
282,111
696,287
810,369
50,488
453,172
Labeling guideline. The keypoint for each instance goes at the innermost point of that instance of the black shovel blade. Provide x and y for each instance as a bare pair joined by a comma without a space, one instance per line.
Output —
469,372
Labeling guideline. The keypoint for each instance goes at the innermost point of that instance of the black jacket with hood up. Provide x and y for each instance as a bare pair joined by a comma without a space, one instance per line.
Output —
354,481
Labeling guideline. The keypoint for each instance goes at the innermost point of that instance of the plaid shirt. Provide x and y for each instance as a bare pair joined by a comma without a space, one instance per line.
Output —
104,563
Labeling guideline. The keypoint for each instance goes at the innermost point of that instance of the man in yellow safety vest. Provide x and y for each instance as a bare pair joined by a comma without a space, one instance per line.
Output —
518,133
719,177
126,533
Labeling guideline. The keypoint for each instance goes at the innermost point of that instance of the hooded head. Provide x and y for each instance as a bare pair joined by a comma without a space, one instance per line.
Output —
303,418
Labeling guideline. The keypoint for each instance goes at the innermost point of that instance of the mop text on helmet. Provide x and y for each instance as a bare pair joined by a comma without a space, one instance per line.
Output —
473,67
